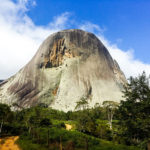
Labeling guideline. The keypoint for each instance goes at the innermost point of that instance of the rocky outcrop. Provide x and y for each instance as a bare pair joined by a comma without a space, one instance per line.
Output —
68,66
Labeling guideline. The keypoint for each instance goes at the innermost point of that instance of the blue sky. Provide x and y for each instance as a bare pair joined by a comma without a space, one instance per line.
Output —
125,22
122,25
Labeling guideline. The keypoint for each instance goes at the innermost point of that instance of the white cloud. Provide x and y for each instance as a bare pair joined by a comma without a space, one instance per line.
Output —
88,26
20,39
60,22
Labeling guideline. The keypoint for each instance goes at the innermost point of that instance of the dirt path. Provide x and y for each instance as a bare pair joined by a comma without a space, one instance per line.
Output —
9,143
68,126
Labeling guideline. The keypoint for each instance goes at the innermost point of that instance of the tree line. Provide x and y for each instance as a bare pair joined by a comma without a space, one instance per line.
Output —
127,122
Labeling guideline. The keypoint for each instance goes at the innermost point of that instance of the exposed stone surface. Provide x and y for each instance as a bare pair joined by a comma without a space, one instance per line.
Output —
68,66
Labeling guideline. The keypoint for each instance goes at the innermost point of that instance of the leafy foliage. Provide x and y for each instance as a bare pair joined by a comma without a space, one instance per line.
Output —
111,107
134,112
41,127
82,104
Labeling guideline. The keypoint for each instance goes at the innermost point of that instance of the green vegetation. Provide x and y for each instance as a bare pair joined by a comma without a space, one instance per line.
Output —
112,126
43,128
134,113
82,104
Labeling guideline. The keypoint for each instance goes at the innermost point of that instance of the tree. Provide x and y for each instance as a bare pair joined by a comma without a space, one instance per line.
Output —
86,122
82,104
4,114
110,107
134,112
103,129
98,112
45,122
16,106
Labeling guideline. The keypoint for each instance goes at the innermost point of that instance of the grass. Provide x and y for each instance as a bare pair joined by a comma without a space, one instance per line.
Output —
76,139
26,144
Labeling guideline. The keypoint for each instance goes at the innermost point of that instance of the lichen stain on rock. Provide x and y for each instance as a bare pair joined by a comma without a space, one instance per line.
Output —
54,58
55,91
56,55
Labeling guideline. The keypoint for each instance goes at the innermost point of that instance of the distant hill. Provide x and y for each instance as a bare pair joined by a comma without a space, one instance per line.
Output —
1,81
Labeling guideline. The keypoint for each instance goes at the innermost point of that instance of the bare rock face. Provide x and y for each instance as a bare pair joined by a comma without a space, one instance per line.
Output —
68,66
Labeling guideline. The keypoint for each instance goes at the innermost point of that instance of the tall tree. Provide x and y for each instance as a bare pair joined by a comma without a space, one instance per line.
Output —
82,104
4,114
110,107
134,112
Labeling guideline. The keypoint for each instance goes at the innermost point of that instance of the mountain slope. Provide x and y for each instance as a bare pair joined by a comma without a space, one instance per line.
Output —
68,66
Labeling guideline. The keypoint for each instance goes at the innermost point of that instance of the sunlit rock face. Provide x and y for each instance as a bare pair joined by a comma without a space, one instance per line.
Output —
68,66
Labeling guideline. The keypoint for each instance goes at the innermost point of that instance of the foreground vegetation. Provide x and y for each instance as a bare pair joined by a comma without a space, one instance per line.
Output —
111,126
